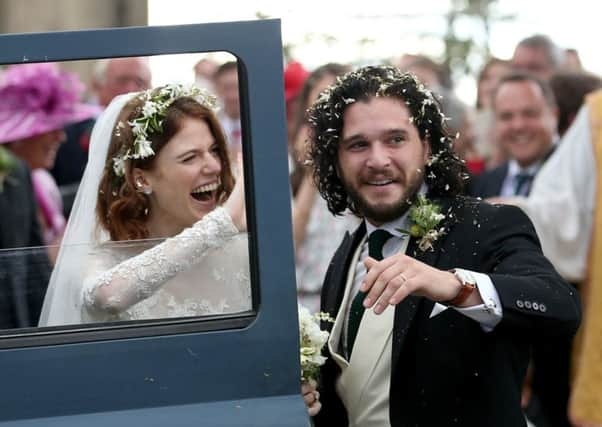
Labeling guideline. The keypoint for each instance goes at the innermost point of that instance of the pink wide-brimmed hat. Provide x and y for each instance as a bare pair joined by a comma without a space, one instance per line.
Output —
39,98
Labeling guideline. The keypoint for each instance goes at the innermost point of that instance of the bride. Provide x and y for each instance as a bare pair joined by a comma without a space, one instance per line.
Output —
155,230
158,169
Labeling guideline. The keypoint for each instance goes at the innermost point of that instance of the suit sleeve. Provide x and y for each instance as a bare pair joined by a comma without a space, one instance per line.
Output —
534,298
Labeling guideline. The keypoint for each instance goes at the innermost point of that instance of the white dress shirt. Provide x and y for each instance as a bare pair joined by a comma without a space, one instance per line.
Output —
509,184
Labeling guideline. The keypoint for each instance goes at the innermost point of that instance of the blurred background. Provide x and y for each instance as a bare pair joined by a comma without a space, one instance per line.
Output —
461,34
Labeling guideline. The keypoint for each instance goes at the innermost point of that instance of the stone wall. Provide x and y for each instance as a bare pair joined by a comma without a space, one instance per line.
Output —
24,16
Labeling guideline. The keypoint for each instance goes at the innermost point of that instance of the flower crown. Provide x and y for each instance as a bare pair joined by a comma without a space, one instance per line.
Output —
154,108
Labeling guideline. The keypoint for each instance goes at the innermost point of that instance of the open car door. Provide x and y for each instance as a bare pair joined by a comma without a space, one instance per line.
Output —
238,369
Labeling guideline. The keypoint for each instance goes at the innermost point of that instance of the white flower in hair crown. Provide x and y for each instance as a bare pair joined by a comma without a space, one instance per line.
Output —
154,108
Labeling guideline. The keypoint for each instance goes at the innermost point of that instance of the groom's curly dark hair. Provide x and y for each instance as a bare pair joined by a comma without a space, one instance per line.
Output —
444,174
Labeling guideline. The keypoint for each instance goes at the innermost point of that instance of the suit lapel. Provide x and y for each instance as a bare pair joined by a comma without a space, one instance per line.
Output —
334,286
334,340
407,309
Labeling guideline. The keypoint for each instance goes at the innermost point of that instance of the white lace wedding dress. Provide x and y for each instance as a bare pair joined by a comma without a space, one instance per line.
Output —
204,270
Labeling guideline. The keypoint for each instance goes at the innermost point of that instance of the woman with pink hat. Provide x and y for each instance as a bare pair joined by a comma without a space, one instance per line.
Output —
38,100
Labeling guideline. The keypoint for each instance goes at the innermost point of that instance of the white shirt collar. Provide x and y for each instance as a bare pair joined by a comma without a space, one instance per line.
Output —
392,226
514,168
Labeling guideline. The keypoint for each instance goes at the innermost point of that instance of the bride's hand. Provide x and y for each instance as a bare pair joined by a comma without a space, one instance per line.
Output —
235,205
311,397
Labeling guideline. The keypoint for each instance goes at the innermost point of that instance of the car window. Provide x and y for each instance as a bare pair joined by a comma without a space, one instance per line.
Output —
90,271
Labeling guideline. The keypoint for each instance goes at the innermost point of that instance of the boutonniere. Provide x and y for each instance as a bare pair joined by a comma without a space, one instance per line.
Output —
425,217
7,164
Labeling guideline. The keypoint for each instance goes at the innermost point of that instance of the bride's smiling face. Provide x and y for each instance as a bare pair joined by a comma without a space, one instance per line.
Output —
184,178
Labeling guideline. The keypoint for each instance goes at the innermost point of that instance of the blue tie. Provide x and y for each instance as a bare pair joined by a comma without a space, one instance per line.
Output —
376,241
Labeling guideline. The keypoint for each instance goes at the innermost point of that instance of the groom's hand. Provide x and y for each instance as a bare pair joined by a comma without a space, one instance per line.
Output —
390,281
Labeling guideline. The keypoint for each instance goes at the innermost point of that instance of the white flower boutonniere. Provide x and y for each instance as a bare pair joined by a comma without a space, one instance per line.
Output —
311,341
425,217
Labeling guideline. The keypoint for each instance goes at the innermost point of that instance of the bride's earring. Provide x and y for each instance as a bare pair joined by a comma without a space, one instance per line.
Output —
140,188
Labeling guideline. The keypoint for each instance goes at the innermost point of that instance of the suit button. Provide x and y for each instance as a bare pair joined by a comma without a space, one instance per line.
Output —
535,306
543,308
528,304
520,303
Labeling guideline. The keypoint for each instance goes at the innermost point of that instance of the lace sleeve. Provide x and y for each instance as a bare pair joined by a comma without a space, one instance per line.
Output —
137,278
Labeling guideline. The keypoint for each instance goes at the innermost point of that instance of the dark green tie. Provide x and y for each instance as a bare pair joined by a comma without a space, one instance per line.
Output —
522,183
376,241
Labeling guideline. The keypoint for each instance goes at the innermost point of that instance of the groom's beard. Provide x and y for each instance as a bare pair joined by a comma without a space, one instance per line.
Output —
381,213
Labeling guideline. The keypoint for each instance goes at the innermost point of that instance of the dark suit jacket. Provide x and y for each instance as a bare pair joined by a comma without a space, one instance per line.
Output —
24,273
489,183
446,371
551,359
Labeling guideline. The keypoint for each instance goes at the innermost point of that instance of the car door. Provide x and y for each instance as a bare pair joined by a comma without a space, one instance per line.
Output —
239,369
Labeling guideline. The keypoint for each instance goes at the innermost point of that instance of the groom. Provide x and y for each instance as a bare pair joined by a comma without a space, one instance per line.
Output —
437,297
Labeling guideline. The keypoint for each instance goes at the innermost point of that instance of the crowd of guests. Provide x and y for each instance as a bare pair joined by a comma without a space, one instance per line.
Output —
521,123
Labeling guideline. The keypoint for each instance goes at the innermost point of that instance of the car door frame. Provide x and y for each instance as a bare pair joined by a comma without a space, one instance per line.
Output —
221,370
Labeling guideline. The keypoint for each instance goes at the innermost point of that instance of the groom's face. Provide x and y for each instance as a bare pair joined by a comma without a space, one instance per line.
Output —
381,158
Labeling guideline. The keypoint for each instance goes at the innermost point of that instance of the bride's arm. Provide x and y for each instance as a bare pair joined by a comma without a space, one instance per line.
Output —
137,278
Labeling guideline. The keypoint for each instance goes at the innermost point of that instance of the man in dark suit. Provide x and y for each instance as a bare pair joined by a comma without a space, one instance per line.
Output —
525,126
438,332
24,265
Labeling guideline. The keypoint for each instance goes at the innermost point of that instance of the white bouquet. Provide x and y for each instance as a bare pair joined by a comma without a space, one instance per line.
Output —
311,341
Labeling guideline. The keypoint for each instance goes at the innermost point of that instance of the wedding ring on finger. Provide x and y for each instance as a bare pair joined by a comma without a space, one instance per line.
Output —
402,277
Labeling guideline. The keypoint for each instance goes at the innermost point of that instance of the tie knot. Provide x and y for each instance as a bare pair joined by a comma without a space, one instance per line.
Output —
376,241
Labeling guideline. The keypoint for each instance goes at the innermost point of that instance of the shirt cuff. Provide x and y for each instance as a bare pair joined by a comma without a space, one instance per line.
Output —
488,314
